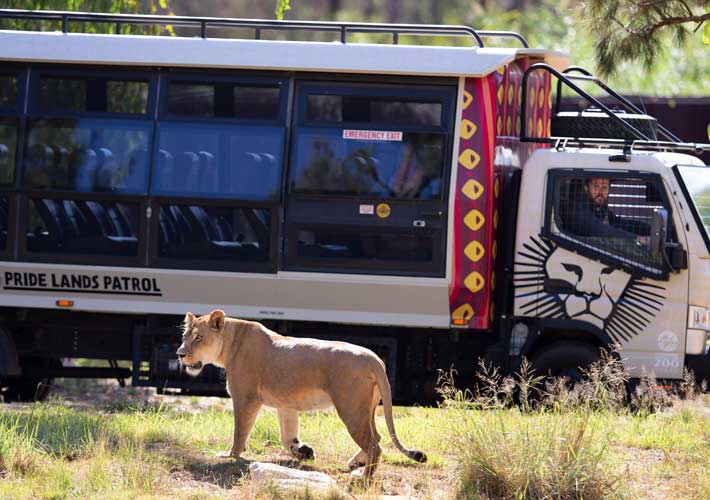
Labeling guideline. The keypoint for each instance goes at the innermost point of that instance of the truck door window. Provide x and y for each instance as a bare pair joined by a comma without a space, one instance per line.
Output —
607,216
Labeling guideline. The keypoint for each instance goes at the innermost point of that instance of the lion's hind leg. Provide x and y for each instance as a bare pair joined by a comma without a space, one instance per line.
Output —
288,422
358,414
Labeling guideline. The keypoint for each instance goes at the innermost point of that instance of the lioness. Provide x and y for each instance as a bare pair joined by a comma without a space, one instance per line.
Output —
292,375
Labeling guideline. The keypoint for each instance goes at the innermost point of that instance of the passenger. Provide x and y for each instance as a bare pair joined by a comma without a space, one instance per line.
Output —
409,178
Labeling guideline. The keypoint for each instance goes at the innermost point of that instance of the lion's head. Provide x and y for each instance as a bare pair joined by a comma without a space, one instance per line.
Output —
591,289
202,341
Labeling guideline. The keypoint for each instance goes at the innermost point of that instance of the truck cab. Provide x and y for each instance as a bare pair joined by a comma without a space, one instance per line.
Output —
606,244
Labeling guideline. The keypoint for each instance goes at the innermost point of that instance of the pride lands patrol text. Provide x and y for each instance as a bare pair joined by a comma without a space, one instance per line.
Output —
80,283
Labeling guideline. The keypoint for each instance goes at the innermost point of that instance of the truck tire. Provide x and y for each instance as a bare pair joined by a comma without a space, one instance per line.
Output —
565,358
27,388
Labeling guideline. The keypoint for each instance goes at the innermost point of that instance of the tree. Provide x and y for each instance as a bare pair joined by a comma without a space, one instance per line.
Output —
108,6
636,29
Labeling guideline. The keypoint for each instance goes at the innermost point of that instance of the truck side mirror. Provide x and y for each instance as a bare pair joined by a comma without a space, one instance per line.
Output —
659,227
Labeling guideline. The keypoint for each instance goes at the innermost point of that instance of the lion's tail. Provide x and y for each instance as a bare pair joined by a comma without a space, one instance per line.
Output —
386,394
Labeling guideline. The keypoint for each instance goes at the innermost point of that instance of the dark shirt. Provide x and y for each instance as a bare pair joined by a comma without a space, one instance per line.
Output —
587,218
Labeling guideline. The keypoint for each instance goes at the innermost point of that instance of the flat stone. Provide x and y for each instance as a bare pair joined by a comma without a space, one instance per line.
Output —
286,478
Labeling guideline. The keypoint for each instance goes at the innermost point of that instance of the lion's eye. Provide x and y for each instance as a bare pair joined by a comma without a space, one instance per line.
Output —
197,339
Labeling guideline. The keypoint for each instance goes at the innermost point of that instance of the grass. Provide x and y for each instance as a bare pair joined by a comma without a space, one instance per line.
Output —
480,446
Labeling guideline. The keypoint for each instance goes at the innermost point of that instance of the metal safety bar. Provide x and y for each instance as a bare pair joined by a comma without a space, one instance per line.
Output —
628,105
259,25
642,142
562,142
567,81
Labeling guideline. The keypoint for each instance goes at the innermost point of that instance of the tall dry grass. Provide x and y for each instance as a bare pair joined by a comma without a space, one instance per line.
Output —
526,437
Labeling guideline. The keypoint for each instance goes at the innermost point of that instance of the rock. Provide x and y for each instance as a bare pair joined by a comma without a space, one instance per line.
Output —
286,478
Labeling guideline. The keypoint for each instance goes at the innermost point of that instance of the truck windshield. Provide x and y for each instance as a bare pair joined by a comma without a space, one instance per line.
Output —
697,185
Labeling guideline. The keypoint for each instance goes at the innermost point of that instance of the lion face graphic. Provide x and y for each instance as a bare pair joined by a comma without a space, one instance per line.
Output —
556,283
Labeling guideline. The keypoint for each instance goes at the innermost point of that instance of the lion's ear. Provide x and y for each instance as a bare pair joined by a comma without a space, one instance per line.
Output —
189,318
216,320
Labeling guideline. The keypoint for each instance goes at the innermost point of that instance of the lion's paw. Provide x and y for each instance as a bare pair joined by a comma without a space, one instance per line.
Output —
227,454
303,452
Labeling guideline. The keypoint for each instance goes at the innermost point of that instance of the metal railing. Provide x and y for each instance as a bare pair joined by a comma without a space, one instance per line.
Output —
258,25
642,141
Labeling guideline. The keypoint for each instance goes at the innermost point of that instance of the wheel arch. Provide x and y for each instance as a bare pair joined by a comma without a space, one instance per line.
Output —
549,331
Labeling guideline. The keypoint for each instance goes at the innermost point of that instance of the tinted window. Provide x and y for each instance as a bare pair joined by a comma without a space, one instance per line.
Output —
84,227
8,91
334,161
611,216
363,109
190,99
214,233
223,100
4,218
8,146
256,102
87,155
102,95
218,161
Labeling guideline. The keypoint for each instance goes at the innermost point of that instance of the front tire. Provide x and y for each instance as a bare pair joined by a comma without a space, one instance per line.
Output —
566,358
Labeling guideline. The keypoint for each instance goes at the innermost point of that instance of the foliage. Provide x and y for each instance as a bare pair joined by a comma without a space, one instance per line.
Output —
106,6
281,7
634,29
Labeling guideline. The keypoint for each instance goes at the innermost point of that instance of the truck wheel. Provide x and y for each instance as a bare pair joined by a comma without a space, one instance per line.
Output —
28,389
564,359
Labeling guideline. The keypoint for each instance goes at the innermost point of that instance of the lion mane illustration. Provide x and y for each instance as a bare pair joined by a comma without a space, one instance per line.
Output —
552,282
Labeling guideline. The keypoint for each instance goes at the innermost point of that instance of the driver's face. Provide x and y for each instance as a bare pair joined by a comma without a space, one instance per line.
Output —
598,190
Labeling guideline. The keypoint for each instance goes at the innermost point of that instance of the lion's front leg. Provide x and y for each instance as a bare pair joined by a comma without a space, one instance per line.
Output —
245,412
288,422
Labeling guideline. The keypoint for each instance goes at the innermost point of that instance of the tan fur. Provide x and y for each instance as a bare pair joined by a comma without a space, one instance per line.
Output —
292,375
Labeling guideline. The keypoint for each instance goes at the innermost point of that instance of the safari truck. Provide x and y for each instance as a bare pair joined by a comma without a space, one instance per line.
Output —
433,201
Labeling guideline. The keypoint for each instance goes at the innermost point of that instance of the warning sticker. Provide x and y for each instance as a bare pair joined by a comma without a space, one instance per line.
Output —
372,135
367,209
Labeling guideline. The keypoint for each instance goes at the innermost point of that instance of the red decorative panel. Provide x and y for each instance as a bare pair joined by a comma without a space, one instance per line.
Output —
490,126
474,217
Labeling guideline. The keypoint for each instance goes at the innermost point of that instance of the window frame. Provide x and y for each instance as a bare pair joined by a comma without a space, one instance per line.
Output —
200,264
74,72
11,190
205,78
446,95
411,93
33,113
602,255
83,258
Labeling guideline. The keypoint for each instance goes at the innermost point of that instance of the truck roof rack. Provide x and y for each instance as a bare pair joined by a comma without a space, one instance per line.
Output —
259,25
641,140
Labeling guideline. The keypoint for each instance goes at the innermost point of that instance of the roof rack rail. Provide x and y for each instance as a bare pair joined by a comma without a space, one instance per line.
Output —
259,25
641,142
562,142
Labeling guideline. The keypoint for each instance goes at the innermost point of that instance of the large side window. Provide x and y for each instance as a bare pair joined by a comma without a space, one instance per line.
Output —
9,128
369,162
218,161
85,168
607,216
369,144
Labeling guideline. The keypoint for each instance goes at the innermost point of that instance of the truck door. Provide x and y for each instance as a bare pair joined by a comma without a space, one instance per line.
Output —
368,178
591,266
